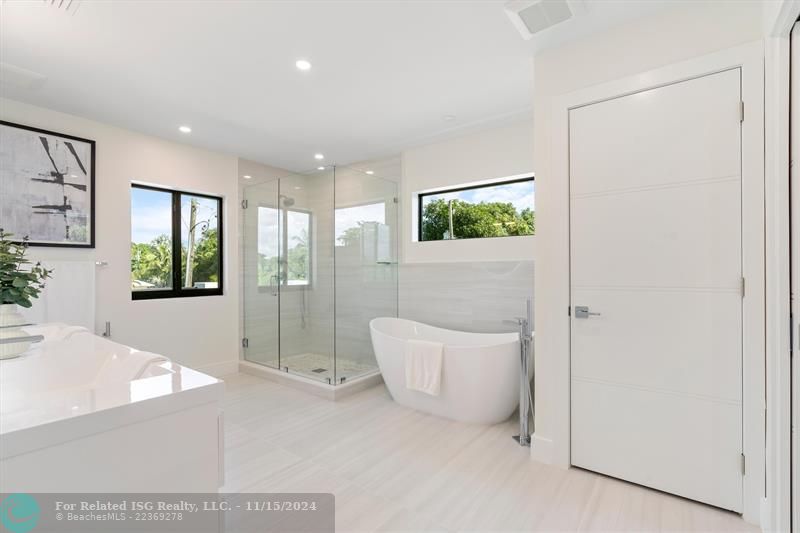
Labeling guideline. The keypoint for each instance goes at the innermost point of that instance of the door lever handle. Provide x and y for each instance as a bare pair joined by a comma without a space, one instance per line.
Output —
582,311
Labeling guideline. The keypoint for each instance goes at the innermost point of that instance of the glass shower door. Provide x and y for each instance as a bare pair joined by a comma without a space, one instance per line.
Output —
261,273
306,289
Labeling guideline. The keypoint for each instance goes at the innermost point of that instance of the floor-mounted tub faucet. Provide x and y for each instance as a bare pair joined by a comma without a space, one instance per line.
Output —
525,325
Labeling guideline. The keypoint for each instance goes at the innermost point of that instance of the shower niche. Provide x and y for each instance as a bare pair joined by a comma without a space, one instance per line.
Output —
319,261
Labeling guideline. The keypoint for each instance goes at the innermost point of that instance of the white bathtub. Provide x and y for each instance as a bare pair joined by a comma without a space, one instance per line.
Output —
480,371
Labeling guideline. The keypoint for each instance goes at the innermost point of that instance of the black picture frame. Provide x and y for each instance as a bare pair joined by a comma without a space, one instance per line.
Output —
91,183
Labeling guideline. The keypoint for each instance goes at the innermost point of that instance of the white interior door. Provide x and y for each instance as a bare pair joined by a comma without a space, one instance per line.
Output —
656,252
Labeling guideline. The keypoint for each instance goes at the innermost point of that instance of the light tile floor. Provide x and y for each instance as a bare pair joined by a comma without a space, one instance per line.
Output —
395,469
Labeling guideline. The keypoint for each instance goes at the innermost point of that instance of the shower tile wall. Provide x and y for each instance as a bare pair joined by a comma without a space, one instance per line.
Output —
466,296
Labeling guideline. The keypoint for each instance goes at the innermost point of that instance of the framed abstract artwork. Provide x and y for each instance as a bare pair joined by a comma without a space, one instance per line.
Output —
46,186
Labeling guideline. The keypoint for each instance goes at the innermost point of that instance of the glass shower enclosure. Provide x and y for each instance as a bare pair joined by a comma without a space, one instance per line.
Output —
319,262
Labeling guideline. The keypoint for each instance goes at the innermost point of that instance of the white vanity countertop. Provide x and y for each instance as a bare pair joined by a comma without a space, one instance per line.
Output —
74,384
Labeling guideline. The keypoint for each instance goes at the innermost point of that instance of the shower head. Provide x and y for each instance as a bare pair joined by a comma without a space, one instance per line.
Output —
287,200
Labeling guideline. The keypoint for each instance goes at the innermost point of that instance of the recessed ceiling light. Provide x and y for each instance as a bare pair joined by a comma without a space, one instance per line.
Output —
370,172
302,64
448,118
247,177
319,157
185,129
320,168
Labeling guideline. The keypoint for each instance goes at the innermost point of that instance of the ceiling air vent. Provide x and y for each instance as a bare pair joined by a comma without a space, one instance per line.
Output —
532,16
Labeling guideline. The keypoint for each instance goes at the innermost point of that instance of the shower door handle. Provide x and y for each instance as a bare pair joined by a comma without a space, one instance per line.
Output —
273,281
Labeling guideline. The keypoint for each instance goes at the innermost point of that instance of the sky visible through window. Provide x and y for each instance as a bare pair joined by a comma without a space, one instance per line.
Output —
151,213
349,217
522,195
206,216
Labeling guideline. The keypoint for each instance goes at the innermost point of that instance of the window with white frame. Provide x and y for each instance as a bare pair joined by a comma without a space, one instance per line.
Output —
284,247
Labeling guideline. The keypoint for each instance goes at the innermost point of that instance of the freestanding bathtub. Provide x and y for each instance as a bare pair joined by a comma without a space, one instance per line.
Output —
480,371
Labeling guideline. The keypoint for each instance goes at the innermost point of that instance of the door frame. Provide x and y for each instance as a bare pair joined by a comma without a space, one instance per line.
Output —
750,59
784,447
779,19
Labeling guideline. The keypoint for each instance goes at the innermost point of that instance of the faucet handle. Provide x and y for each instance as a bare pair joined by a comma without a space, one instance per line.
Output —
525,333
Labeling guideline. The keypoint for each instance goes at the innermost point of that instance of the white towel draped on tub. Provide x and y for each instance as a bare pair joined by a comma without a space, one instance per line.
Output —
424,366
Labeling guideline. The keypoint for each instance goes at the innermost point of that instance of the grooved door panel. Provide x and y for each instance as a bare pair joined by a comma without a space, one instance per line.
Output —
656,250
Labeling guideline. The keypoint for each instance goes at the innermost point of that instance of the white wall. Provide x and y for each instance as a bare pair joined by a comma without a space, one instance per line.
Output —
688,30
201,332
495,153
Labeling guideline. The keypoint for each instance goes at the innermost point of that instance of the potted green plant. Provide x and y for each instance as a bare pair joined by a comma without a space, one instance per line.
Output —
20,284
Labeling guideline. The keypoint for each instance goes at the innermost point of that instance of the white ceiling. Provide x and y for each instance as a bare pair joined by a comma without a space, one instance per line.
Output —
384,72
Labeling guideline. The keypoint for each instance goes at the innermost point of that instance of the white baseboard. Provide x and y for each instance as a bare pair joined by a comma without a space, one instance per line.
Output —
219,370
542,449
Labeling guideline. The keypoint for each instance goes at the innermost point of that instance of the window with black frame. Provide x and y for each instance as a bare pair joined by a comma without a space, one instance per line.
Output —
499,209
176,243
